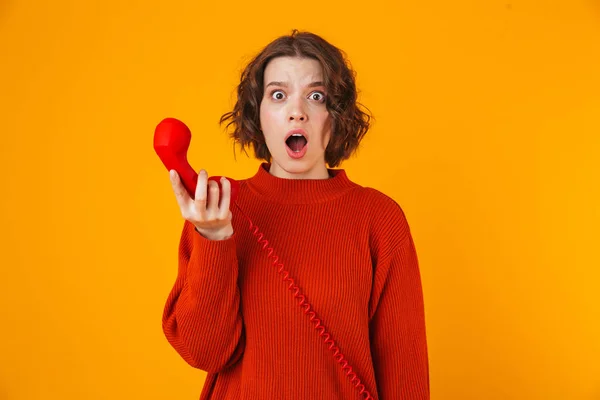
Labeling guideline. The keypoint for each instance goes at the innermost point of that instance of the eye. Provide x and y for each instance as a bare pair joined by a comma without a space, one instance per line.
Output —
277,94
320,96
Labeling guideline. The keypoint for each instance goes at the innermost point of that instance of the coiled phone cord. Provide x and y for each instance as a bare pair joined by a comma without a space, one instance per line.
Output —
305,305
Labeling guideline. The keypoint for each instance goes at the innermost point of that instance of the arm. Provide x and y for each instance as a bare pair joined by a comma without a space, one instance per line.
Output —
202,318
397,328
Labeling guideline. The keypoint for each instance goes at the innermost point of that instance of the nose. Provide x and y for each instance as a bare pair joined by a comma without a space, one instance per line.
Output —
298,117
297,112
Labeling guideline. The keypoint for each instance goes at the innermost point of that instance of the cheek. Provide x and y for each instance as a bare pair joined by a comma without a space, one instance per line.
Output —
325,122
268,117
269,124
324,118
328,130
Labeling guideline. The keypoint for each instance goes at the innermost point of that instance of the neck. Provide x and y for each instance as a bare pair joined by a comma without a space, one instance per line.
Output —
272,188
319,171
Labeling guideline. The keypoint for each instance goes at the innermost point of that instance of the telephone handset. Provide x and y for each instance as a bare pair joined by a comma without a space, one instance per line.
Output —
171,142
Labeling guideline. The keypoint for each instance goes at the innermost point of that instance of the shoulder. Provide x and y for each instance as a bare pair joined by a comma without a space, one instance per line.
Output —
381,205
377,197
388,224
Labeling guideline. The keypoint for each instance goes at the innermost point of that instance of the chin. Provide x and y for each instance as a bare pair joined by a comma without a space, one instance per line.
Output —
294,166
303,167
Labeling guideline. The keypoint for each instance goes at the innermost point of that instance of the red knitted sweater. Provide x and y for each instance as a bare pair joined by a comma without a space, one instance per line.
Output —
349,251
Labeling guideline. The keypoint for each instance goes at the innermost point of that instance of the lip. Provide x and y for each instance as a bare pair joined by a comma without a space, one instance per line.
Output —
298,130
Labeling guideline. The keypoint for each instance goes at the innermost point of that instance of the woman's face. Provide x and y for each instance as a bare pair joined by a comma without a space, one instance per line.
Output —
294,100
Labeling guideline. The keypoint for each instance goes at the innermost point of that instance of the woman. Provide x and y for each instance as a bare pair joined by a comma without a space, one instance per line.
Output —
348,248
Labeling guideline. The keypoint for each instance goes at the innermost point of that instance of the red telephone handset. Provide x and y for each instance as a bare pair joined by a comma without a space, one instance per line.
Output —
171,142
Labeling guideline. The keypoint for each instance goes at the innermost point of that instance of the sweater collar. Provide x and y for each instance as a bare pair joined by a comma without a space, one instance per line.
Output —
299,191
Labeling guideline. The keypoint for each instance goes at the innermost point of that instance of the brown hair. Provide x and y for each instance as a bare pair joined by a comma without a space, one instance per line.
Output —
349,122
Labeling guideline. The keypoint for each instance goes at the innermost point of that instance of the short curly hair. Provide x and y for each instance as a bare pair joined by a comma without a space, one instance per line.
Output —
349,122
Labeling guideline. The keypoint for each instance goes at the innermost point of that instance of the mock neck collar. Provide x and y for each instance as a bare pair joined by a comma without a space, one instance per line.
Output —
299,191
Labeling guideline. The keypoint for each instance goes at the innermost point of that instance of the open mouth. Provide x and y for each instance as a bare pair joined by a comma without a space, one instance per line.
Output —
296,142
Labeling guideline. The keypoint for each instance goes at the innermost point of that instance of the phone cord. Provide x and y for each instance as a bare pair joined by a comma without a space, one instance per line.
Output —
312,315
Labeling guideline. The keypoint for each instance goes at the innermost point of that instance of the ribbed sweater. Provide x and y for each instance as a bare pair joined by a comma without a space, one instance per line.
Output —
349,251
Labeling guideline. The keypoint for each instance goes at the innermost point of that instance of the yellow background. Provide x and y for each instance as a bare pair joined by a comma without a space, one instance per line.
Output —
487,134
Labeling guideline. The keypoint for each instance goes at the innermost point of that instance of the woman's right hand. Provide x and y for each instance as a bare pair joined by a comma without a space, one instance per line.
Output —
210,220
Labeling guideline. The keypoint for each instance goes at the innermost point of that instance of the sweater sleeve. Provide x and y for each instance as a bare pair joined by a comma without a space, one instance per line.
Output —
202,319
397,328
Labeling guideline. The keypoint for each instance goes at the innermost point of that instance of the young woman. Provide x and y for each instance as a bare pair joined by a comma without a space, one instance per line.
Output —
348,322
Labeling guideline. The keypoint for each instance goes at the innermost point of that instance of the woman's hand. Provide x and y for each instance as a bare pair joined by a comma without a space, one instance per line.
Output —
211,220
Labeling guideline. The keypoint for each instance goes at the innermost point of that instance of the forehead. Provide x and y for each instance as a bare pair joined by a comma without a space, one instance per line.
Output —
290,69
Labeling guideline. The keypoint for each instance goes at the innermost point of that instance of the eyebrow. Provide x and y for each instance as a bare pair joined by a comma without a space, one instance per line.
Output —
284,84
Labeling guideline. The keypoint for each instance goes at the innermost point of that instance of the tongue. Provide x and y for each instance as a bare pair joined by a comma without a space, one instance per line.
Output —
296,143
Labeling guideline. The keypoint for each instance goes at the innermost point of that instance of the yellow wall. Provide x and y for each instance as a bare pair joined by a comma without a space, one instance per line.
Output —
487,134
